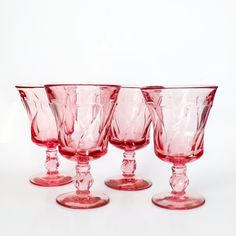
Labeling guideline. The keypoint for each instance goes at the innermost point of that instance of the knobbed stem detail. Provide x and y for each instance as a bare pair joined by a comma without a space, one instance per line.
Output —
83,179
179,180
52,162
128,166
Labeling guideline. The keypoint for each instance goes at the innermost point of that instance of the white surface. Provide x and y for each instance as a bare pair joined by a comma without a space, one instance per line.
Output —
144,42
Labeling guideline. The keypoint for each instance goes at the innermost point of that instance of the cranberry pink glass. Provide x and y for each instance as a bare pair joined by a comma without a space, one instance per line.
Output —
129,132
83,114
179,117
43,133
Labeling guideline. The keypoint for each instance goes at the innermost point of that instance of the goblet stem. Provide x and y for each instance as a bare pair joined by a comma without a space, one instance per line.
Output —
52,162
128,166
179,180
128,181
52,177
178,199
83,179
82,198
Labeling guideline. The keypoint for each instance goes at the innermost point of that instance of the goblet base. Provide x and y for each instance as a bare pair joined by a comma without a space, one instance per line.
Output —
178,202
46,180
128,184
77,201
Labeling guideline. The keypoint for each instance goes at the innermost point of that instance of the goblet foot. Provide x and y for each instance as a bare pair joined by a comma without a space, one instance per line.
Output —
178,202
47,180
128,184
77,201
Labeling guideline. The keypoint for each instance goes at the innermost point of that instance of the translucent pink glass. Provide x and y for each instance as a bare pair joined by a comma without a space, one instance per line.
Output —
130,132
43,133
179,117
83,114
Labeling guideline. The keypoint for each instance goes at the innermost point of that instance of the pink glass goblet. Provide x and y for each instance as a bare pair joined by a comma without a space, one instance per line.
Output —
83,114
129,132
43,133
179,116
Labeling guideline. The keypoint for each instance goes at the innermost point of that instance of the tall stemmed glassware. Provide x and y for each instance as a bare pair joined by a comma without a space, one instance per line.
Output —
130,132
83,114
179,117
43,133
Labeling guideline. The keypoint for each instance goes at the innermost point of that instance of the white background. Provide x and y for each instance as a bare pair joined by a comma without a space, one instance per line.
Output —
123,42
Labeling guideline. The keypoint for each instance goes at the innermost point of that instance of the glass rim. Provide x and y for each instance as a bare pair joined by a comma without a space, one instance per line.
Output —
83,85
28,86
180,87
130,87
